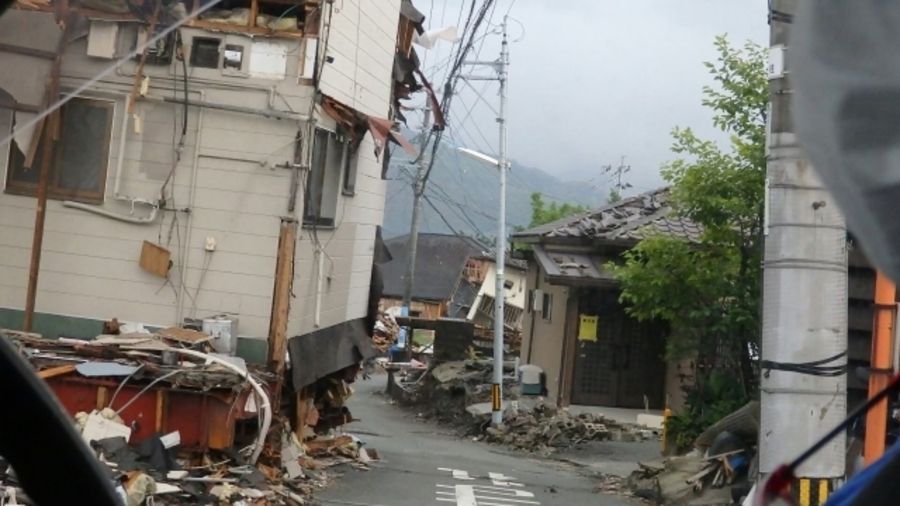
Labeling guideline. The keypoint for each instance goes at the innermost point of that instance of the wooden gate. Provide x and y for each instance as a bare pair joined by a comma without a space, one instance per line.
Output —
625,363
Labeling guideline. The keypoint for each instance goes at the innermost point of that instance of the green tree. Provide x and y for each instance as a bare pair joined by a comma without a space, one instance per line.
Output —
709,292
614,196
541,213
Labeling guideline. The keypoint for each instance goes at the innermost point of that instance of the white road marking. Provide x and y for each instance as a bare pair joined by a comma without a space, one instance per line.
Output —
504,481
501,494
459,475
487,489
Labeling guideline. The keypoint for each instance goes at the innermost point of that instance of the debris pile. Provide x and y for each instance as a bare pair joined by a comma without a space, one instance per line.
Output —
177,423
545,427
386,332
720,469
444,392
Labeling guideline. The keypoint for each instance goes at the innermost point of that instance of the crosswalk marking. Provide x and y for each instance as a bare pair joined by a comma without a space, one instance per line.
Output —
487,489
459,475
504,491
503,480
470,495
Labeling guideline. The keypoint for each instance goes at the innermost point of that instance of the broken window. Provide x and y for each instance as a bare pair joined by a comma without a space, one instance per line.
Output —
264,17
79,159
330,150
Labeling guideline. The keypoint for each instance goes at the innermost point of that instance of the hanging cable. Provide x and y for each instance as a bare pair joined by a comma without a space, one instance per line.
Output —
814,368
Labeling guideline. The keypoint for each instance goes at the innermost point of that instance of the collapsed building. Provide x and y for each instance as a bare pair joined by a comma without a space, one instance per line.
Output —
224,180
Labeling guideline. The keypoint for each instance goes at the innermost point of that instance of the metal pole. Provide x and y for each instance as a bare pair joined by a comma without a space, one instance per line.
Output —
500,289
804,296
412,245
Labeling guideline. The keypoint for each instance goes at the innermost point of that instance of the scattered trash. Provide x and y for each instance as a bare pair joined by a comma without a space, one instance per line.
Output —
720,469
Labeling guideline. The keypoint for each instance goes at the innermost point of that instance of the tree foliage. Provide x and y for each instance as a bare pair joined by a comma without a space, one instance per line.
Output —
709,292
614,196
541,213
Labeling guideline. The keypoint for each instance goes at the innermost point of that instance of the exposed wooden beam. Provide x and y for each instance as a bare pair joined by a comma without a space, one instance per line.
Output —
19,107
27,51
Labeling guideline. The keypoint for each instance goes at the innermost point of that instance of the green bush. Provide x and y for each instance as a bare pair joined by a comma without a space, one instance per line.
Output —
708,400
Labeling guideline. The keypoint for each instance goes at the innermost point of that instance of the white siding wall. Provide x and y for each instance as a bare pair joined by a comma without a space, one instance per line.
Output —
90,263
361,43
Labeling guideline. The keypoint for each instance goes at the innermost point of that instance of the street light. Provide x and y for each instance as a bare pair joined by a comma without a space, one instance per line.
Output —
500,286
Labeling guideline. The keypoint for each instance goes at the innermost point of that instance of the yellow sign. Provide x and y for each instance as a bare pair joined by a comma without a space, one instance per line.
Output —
587,328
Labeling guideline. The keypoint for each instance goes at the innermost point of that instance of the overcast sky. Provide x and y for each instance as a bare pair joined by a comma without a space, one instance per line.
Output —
594,80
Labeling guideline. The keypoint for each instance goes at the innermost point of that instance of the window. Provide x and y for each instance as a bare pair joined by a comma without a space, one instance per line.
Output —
547,307
205,53
324,178
79,159
349,163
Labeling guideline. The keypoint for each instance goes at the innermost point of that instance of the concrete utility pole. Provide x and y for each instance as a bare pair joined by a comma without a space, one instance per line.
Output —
804,295
500,67
412,246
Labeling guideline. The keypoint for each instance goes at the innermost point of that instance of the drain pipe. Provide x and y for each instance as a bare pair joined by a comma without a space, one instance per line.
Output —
190,217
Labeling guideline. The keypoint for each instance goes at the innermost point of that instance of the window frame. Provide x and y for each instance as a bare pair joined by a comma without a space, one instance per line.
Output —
547,307
350,170
54,190
321,167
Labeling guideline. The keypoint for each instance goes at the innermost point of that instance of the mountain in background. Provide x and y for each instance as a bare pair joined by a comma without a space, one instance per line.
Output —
462,195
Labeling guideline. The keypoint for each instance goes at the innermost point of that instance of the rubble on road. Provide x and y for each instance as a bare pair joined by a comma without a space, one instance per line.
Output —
459,393
544,428
386,332
718,471
177,423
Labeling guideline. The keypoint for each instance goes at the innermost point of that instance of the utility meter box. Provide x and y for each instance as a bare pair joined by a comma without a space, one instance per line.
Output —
532,379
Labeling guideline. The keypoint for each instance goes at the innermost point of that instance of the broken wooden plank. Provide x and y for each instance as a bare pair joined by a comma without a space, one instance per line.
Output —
56,371
139,73
184,335
702,474
325,444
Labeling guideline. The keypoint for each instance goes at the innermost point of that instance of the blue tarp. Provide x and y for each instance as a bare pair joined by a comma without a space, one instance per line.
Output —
867,479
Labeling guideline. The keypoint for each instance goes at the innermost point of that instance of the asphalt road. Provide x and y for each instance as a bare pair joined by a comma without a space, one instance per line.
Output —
421,464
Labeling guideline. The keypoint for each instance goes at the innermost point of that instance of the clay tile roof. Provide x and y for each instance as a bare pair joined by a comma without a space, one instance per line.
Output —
632,218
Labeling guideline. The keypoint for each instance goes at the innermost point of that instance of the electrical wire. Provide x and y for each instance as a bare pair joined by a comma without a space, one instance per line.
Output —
814,368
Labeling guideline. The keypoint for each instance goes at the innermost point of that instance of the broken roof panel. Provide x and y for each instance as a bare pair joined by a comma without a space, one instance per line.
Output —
630,219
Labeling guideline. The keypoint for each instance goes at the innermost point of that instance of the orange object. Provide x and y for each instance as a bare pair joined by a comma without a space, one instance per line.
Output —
882,363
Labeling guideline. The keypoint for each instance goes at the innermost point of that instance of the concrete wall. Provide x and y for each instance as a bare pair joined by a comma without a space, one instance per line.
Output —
227,176
542,341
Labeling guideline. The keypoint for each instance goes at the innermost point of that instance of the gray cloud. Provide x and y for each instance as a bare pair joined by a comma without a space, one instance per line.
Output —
594,80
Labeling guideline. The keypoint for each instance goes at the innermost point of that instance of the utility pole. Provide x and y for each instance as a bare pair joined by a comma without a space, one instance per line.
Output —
501,67
804,296
413,244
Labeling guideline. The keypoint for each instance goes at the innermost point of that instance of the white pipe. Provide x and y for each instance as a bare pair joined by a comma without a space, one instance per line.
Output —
116,216
190,218
265,406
